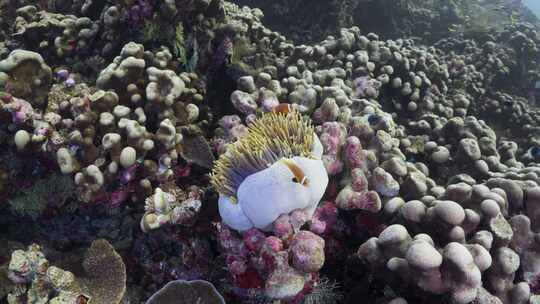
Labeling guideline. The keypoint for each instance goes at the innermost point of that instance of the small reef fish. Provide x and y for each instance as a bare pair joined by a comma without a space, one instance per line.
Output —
283,108
299,175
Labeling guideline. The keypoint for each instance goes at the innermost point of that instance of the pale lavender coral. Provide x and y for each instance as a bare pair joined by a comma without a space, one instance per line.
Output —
69,82
348,199
328,111
384,183
526,243
501,276
233,129
332,136
20,109
324,218
357,157
243,102
456,271
62,74
307,251
532,206
366,87
268,100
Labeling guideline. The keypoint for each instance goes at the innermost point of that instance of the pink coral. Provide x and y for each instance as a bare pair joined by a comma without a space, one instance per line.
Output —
348,199
254,239
21,110
282,227
354,153
332,136
324,218
281,265
307,251
365,87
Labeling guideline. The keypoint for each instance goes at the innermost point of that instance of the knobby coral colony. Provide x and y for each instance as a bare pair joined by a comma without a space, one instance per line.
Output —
397,172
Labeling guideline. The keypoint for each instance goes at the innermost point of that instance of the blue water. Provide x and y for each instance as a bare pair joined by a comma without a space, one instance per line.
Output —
534,5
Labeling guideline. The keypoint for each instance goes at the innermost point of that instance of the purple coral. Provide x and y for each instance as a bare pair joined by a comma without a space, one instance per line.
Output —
365,87
20,109
138,12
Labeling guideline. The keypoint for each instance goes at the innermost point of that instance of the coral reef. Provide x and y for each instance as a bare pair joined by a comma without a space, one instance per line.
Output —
425,19
202,156
36,281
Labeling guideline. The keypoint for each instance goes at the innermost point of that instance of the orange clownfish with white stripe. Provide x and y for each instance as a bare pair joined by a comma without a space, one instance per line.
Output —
283,108
299,175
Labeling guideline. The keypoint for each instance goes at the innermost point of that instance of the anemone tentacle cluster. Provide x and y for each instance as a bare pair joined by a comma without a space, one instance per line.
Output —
270,138
275,169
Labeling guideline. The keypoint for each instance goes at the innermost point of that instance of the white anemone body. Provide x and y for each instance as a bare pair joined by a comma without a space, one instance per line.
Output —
263,196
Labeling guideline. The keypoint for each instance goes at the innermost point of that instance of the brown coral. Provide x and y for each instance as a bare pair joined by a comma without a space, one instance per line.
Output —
105,278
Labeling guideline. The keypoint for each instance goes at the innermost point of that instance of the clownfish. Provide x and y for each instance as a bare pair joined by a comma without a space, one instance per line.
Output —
284,108
299,176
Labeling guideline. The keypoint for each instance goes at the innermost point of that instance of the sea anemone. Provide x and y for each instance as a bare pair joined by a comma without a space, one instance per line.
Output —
273,170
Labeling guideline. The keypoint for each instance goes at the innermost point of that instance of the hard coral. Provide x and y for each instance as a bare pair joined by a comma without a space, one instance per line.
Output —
36,281
176,208
26,75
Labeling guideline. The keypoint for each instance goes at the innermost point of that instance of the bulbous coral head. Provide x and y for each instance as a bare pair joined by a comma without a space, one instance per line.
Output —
274,170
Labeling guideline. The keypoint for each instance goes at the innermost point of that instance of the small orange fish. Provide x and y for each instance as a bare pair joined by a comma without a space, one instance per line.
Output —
299,175
283,108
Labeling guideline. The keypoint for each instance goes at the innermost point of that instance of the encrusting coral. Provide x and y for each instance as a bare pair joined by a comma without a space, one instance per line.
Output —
36,281
26,75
